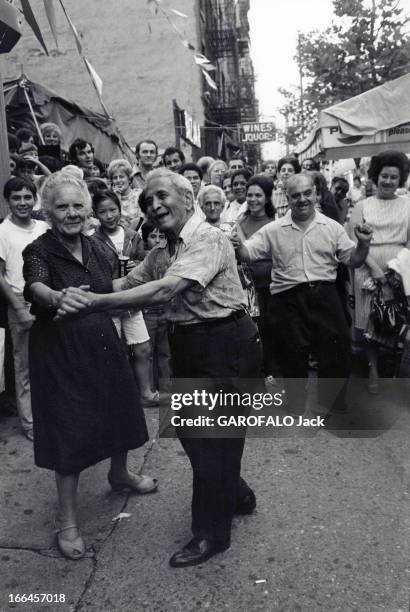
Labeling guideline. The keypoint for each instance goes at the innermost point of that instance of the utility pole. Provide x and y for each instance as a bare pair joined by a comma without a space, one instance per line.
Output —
4,147
287,133
301,98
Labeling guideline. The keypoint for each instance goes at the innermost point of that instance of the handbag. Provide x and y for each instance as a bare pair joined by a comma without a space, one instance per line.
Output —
247,282
245,276
388,316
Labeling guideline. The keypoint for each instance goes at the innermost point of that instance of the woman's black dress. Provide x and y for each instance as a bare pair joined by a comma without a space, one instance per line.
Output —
84,397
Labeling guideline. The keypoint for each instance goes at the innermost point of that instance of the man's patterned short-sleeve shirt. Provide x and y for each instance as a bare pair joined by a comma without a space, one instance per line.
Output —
205,255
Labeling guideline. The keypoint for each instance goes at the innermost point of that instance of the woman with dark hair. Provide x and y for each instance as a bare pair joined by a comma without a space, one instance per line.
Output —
389,217
340,188
227,186
96,171
287,167
284,171
237,206
259,212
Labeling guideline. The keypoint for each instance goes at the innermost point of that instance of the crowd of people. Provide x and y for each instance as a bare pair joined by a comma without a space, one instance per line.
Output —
119,276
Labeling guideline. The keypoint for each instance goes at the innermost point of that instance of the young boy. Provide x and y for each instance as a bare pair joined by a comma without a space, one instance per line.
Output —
16,232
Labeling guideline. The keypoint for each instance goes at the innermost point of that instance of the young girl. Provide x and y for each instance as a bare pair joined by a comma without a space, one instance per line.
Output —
123,243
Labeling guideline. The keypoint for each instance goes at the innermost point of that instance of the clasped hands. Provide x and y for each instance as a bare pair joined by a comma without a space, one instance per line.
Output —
74,299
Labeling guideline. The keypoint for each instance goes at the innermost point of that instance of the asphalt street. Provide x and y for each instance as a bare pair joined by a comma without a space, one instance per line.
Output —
330,532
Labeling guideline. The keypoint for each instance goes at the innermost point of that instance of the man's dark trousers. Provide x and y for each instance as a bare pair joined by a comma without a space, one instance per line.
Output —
230,349
309,318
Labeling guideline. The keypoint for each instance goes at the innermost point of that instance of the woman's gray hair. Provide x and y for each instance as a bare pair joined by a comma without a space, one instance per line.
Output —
119,164
207,190
181,184
55,182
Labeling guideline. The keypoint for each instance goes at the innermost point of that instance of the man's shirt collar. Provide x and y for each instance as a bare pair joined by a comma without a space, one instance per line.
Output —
190,228
287,220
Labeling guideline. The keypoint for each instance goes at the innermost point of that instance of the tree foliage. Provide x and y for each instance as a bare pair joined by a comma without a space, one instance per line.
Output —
298,119
365,45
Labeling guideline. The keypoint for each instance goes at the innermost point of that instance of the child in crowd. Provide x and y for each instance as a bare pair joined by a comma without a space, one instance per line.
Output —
124,246
154,318
16,232
26,136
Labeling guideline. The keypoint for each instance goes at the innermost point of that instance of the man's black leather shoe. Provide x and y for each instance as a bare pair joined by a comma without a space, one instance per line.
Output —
247,504
195,552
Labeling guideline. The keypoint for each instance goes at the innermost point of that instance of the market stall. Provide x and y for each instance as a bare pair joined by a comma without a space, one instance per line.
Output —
29,104
362,126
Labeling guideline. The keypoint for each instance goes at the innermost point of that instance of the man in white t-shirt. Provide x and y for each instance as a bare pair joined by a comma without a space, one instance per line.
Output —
16,232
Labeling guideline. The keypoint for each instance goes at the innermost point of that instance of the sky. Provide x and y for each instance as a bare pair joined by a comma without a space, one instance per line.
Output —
274,25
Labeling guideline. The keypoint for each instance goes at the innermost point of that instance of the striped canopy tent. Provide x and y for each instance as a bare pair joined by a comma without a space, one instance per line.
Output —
29,104
363,126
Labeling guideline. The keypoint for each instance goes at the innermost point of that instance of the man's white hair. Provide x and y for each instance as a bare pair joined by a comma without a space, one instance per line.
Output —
181,184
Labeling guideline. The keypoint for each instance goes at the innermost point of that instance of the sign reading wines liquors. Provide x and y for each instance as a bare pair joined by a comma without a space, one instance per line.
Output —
256,133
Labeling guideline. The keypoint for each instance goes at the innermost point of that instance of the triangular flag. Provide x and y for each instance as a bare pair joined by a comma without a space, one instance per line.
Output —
208,67
220,144
51,16
203,61
31,20
97,80
208,79
179,13
200,59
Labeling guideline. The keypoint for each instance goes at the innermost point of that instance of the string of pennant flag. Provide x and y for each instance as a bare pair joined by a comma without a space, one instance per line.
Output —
49,6
200,59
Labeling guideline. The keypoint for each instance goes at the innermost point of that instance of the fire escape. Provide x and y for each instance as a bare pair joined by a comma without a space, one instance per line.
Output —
225,42
220,45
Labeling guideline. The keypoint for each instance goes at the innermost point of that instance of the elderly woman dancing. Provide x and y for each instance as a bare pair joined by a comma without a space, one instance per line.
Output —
84,397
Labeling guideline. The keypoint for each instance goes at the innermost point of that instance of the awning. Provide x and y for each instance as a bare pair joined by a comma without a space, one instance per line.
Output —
74,120
365,125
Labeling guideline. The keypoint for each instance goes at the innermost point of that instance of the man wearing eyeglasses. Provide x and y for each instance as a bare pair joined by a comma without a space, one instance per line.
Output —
305,311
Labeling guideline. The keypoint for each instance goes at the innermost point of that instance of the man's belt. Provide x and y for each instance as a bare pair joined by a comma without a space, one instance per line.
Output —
208,323
316,284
